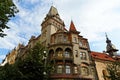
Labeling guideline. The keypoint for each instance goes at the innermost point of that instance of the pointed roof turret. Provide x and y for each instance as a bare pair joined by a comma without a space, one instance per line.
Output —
72,27
53,12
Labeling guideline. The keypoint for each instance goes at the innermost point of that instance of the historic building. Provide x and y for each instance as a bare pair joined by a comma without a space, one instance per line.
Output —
68,51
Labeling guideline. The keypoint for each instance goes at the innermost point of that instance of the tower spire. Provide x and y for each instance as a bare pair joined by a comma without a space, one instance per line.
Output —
110,48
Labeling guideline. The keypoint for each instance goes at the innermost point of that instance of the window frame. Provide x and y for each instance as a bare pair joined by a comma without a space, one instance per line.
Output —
67,69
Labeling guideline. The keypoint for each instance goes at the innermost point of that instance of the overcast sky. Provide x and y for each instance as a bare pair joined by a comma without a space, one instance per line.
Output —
91,17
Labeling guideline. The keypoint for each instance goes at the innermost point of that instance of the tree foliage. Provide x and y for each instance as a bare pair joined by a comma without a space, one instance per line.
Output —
31,67
7,10
114,70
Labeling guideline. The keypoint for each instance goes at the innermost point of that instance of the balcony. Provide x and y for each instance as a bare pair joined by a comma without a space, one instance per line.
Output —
59,58
68,58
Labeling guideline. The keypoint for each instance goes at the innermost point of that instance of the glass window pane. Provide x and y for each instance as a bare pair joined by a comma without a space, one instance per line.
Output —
67,54
83,56
68,69
59,69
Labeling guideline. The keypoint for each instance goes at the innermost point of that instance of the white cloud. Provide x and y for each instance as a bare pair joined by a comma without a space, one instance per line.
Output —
91,17
2,56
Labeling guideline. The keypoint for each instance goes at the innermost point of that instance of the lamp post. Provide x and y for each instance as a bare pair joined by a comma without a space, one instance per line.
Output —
45,61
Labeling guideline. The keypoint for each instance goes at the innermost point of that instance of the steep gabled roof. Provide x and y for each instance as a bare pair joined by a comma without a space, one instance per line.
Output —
101,56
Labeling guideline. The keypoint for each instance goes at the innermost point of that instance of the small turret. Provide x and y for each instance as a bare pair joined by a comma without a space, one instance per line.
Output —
72,28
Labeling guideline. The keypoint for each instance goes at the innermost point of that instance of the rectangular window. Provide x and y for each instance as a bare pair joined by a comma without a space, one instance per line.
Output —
59,38
75,39
83,56
59,69
67,69
65,39
80,43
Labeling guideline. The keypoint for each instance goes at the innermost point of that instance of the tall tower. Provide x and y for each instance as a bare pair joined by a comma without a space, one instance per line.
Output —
51,23
110,48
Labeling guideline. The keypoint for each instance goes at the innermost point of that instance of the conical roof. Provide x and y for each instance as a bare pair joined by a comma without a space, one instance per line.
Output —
72,27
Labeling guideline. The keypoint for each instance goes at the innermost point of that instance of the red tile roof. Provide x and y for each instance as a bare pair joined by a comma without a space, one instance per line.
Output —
72,27
101,56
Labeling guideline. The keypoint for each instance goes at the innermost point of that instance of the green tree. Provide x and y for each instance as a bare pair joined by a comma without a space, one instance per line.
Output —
31,67
114,70
7,10
9,72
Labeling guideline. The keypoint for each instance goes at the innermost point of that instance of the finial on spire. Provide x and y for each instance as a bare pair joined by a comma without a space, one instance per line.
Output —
53,4
106,35
107,39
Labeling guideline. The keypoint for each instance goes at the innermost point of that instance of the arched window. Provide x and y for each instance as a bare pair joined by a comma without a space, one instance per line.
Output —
84,71
67,53
51,54
59,69
59,52
67,69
